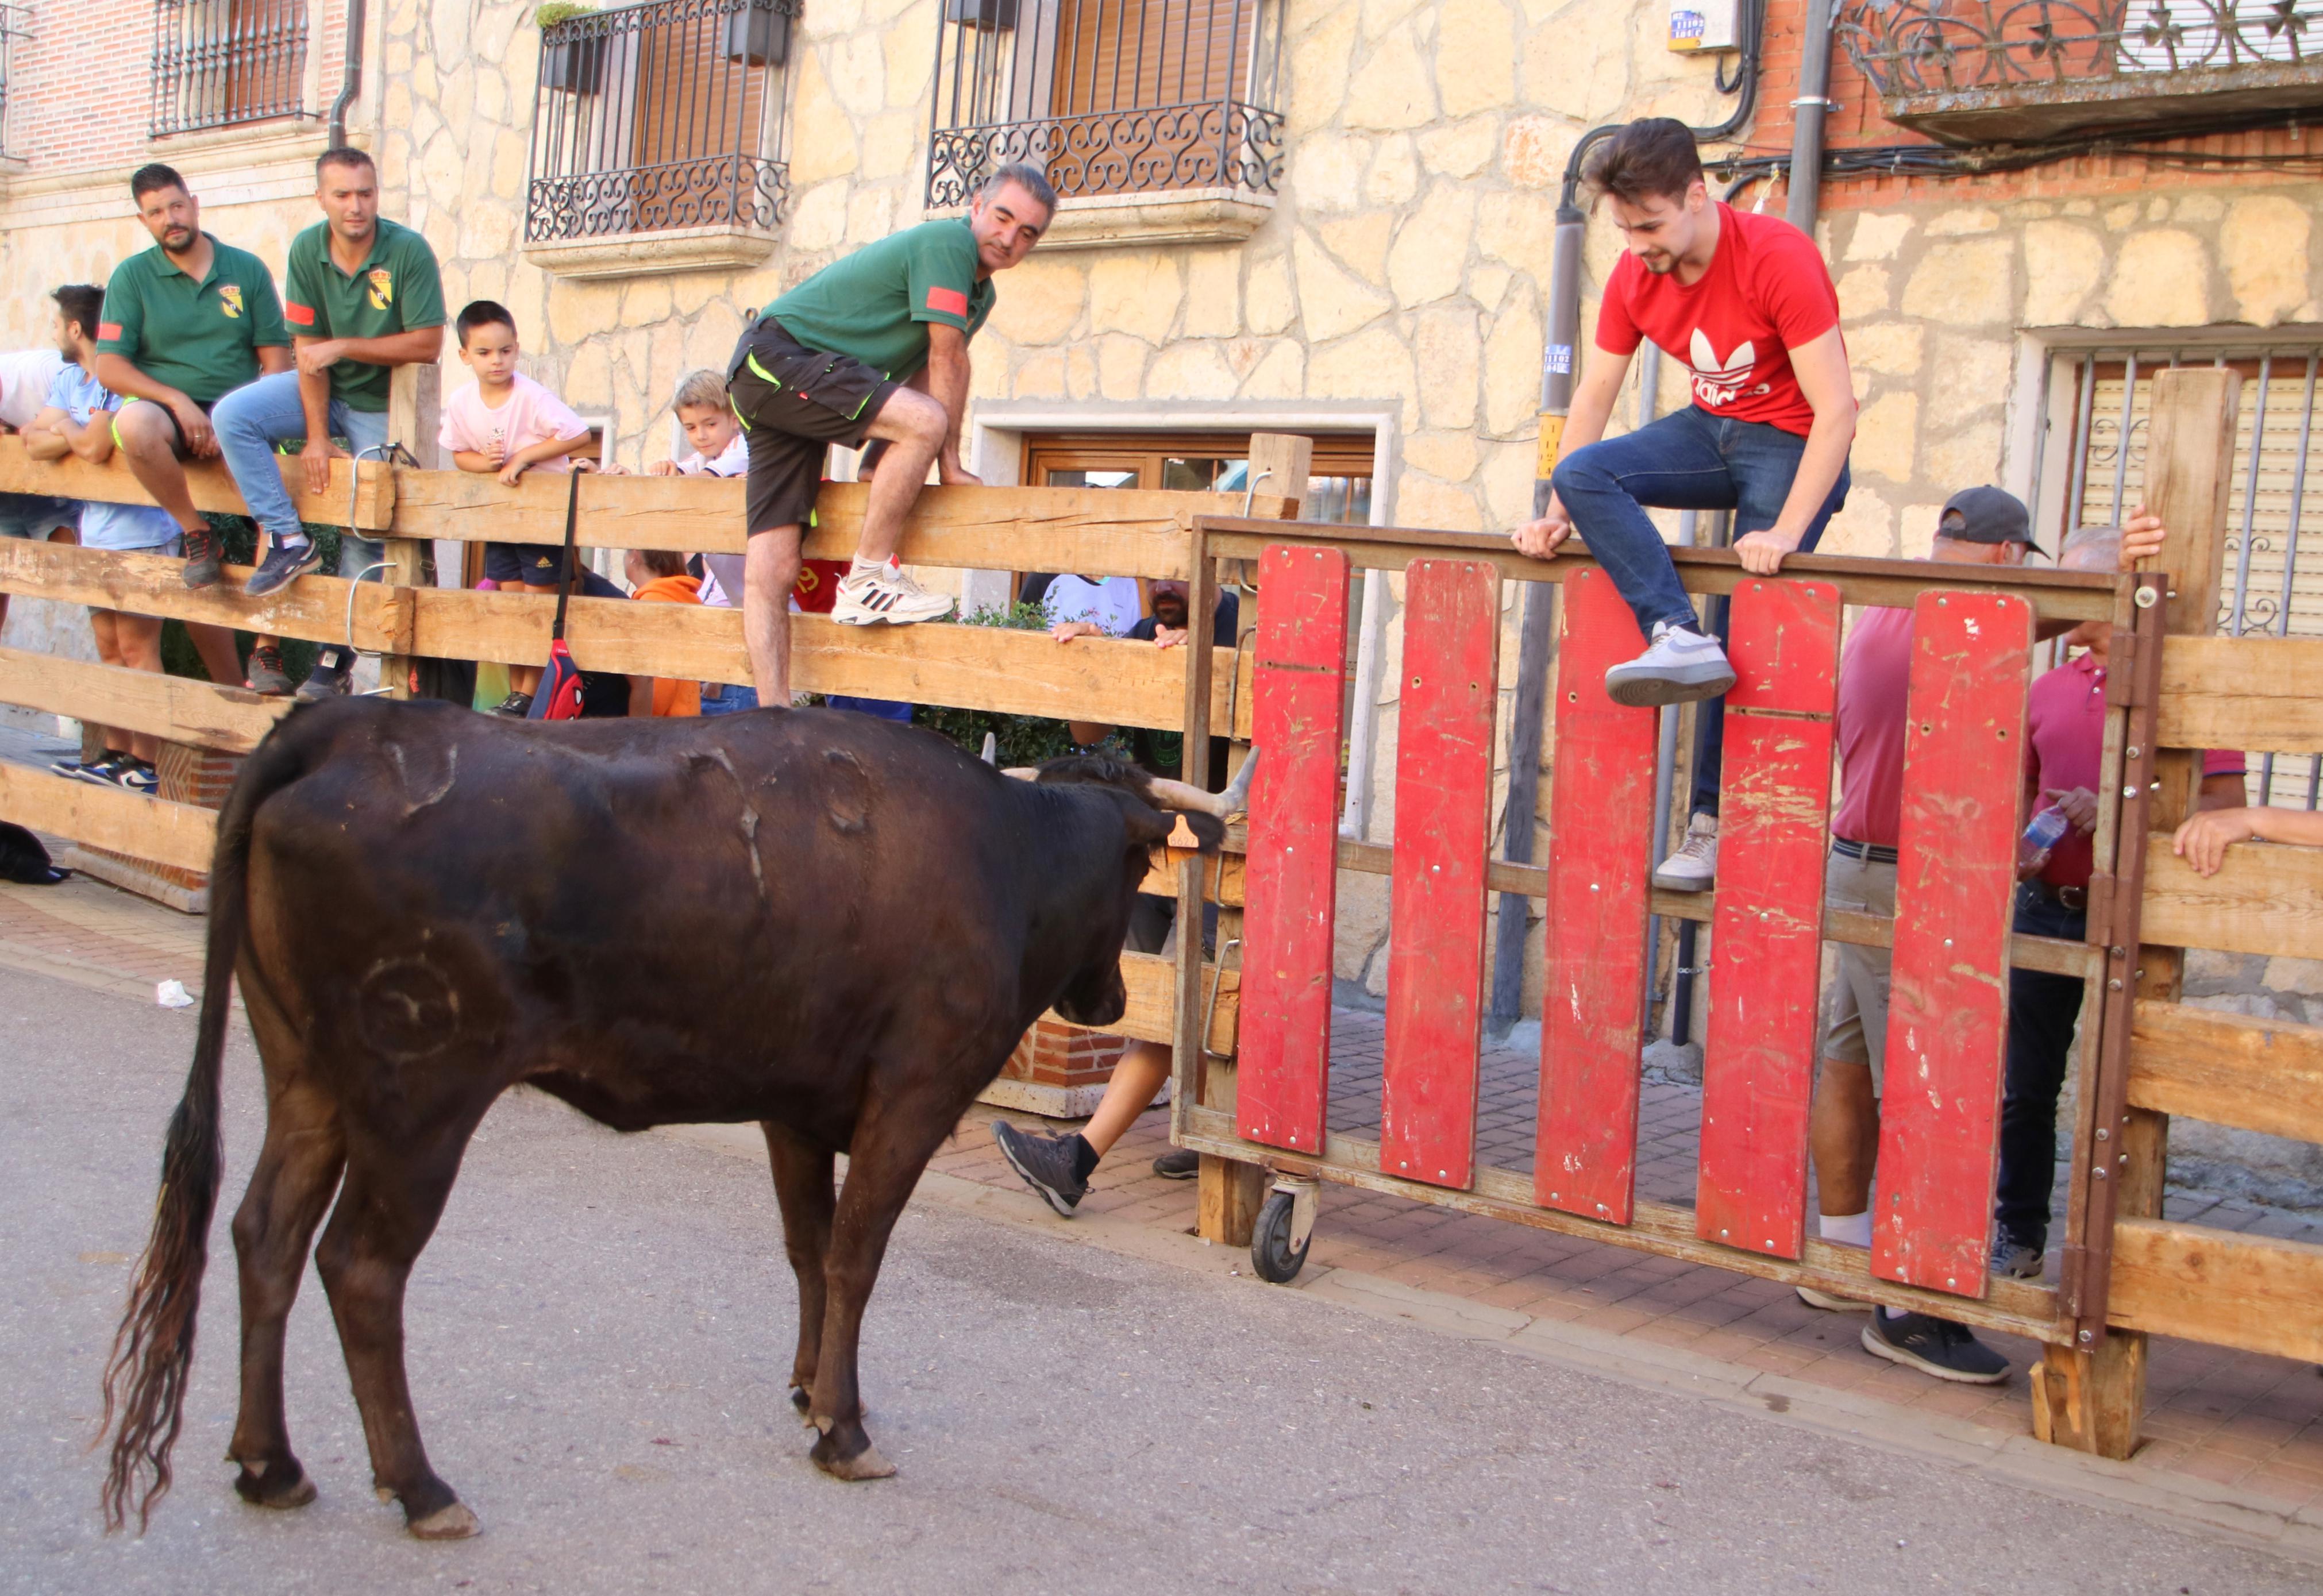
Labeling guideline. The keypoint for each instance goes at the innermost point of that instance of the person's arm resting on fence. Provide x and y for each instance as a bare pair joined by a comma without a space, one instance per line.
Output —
2203,841
1821,366
524,459
944,379
1593,406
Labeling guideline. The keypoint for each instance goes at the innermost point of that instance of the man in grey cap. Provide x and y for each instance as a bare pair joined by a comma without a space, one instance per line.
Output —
1977,527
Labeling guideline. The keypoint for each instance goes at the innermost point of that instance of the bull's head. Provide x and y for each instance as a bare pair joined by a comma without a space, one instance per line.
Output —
1158,817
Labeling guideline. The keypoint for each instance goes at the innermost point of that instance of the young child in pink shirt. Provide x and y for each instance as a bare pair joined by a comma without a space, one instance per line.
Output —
507,424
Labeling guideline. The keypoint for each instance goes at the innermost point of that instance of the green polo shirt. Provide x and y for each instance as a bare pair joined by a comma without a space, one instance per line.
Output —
201,338
876,303
396,289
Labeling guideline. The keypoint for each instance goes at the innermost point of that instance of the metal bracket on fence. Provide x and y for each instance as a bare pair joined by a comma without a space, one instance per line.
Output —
1210,1011
391,453
1249,492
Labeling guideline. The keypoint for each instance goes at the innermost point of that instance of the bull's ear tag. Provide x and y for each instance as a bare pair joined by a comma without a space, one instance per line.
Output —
1183,836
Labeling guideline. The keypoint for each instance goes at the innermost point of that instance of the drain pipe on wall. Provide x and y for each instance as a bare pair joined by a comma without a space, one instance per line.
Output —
1536,637
350,83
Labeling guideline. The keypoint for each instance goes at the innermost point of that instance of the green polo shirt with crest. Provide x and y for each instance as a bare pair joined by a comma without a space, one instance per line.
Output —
201,338
396,289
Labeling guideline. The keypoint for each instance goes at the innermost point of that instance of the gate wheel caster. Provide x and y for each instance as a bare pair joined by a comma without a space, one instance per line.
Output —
1284,1229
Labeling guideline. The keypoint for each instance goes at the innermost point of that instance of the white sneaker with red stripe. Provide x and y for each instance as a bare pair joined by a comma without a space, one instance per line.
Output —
884,593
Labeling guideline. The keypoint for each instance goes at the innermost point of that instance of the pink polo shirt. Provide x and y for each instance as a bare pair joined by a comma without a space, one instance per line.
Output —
1875,679
2065,743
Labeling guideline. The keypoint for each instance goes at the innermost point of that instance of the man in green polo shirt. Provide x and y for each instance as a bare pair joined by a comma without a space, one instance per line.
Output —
873,346
185,323
363,295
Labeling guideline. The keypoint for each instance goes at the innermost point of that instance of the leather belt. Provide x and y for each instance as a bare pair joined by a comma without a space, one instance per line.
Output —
1871,853
2075,899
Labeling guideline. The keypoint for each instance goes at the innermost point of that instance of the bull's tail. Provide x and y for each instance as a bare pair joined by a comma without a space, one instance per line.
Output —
145,1377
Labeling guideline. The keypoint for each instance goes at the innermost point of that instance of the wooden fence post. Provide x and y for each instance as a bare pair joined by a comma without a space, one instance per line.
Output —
1230,1191
415,412
2092,1400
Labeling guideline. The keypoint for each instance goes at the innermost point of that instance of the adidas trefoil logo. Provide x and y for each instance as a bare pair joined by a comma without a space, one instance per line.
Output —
1720,381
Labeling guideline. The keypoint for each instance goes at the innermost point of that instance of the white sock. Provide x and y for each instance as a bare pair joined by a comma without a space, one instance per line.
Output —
1848,1230
292,541
863,567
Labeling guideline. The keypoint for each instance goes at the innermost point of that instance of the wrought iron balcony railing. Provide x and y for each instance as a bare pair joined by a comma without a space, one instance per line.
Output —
659,116
2026,71
11,28
1108,96
218,62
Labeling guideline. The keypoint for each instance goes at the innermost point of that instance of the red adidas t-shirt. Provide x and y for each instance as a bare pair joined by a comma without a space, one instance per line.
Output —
1765,293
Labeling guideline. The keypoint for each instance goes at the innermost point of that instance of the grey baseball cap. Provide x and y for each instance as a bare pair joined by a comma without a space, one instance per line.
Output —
1986,515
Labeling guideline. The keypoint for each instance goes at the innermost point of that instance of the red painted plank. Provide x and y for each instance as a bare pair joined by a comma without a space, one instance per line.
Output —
1291,886
1593,996
1948,1008
1758,1049
1443,797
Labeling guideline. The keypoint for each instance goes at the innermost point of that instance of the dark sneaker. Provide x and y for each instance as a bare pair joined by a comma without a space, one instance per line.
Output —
204,555
281,567
138,776
516,706
1048,1164
104,770
68,768
1180,1163
1935,1346
2019,1261
267,674
328,679
1681,666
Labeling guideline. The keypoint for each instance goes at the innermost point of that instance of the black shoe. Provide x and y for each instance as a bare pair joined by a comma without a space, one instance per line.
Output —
266,674
1048,1164
1933,1347
203,558
1180,1163
281,567
2019,1261
516,706
328,679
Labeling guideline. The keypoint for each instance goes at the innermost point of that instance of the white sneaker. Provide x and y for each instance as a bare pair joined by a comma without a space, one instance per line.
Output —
1695,866
1679,667
885,594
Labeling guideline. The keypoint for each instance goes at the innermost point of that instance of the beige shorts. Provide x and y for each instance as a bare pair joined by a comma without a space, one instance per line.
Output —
1855,1009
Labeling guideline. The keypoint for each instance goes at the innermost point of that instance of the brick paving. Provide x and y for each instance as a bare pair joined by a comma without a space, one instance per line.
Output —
2252,1423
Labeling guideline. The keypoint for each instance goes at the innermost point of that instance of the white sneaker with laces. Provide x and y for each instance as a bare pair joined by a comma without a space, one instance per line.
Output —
1695,866
884,593
1679,667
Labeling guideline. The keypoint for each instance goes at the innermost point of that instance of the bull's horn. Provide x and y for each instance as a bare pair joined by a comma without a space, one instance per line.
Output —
1169,795
1023,773
991,755
1236,797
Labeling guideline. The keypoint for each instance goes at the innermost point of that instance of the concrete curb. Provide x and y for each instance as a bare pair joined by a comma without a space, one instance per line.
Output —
2197,1504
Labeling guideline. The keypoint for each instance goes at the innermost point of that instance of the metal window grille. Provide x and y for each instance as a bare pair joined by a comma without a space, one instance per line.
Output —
13,19
218,62
2273,584
1108,96
658,116
1930,46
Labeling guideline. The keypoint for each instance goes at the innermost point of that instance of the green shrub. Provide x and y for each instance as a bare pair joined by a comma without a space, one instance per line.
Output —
1024,739
553,12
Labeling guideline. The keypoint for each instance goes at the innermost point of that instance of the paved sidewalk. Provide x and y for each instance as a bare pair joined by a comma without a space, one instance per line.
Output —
2229,1419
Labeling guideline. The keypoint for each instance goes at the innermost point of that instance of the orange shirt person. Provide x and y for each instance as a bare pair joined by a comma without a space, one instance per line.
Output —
659,577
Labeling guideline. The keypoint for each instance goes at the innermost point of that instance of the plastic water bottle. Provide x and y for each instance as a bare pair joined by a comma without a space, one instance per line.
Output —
2040,839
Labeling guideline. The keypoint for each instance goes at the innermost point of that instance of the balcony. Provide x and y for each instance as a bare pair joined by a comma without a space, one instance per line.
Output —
218,63
1155,119
657,138
2035,71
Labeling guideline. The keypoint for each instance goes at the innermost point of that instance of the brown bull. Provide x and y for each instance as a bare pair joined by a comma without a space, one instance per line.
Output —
827,923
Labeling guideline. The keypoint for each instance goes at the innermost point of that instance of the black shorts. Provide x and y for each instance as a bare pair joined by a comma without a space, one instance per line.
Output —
528,564
793,402
177,433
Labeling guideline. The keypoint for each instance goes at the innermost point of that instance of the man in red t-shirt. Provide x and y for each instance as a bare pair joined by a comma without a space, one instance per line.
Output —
1748,304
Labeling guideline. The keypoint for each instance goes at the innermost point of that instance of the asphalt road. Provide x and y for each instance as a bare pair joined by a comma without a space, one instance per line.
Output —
598,1340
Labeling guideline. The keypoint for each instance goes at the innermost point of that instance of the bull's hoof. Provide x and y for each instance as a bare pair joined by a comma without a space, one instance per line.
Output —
450,1523
866,1464
279,1484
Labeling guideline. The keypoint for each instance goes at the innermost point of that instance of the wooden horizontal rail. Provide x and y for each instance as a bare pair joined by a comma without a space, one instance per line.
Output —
2253,695
2054,595
229,719
1222,879
2017,1307
1096,531
212,488
2254,1292
2266,898
314,608
1151,979
2227,1070
144,828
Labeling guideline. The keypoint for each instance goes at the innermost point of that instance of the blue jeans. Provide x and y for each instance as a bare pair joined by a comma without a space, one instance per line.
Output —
253,418
724,698
1687,460
2042,1009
